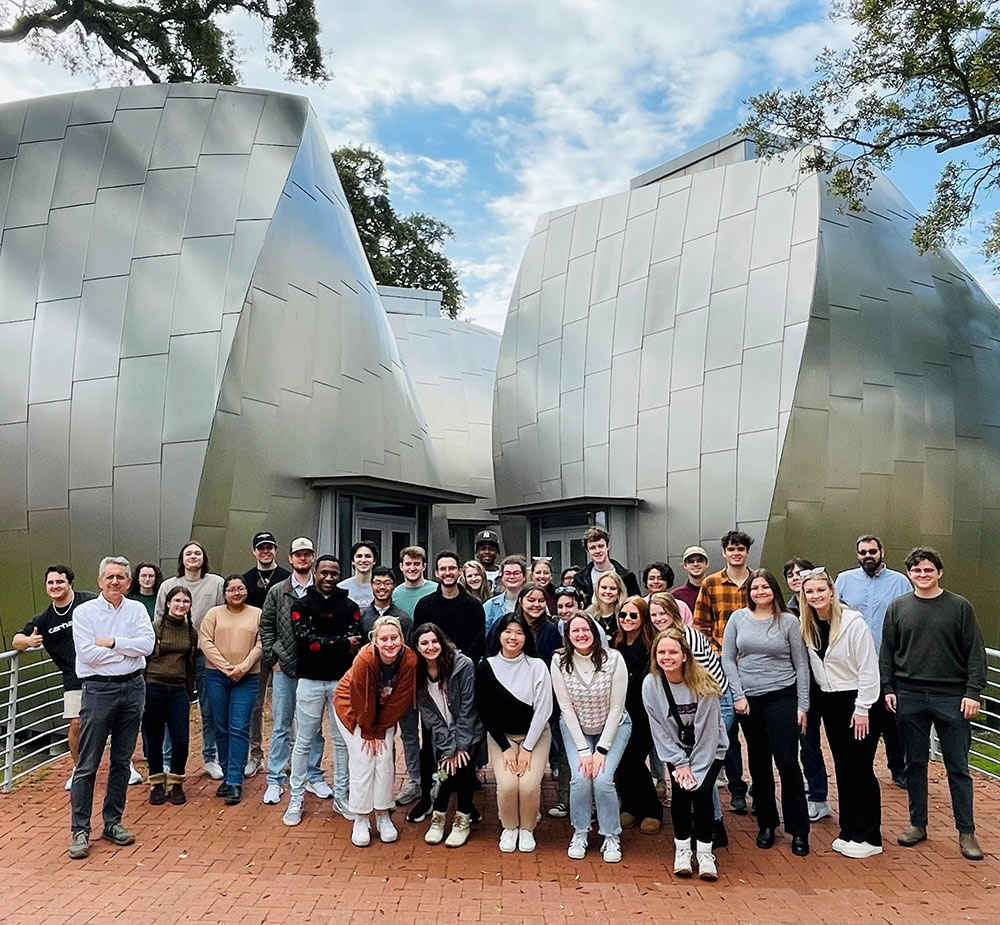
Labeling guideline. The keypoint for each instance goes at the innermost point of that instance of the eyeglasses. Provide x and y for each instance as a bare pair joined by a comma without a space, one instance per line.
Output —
812,572
628,615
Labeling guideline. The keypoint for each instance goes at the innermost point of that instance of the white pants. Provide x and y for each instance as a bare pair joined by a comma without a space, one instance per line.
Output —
371,777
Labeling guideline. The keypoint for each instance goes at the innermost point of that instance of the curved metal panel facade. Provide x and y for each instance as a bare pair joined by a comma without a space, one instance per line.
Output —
729,353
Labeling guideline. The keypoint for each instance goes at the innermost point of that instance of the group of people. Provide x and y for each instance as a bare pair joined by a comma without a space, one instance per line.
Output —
624,695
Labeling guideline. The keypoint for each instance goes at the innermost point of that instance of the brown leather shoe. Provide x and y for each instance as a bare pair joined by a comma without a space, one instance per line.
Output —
970,847
911,835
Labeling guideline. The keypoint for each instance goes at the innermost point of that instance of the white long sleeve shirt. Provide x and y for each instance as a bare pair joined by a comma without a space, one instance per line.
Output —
130,627
850,662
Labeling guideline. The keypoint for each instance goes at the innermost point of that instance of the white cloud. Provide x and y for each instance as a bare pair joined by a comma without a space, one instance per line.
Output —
409,174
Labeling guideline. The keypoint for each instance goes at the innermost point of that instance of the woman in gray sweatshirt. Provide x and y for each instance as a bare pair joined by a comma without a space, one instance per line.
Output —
768,671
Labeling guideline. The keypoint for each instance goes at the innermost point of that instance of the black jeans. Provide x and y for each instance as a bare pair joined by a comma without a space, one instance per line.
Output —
890,735
772,731
463,784
636,790
915,711
166,708
697,803
853,759
813,765
109,709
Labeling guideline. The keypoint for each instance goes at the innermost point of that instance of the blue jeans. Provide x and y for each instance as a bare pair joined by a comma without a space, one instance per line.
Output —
733,762
311,698
585,792
232,706
208,746
280,751
728,712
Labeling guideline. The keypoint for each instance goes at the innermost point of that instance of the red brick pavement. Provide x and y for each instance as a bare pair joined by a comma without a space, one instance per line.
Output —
205,862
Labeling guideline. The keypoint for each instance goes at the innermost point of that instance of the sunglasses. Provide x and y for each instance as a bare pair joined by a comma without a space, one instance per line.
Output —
813,572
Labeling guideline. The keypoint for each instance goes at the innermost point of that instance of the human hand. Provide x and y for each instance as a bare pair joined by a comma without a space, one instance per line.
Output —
596,764
684,777
890,702
742,705
106,642
970,707
276,667
523,762
459,760
510,761
860,726
802,721
35,639
355,644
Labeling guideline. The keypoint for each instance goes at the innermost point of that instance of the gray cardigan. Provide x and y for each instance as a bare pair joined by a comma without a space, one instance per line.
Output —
466,728
710,739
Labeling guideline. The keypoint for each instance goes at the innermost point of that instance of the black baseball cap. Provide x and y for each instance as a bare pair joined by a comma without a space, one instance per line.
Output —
487,536
264,537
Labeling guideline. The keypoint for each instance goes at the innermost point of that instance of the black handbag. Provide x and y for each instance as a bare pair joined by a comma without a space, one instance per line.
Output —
685,731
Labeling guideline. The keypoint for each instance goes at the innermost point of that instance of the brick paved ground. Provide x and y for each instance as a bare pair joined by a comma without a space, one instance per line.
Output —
208,863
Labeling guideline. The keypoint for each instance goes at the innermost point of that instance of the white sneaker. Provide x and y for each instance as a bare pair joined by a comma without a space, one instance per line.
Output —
272,795
253,768
342,807
508,840
559,811
682,857
525,841
409,794
361,835
818,809
706,861
839,844
577,846
860,850
386,830
612,849
134,777
69,780
214,770
321,788
293,815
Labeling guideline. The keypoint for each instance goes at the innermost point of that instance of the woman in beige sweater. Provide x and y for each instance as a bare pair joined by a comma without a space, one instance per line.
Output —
230,641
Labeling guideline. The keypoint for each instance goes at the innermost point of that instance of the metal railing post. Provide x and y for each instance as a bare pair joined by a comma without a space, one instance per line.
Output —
8,750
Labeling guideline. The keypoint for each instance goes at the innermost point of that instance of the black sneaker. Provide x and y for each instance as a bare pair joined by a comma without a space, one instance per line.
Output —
224,790
475,817
419,811
720,838
738,804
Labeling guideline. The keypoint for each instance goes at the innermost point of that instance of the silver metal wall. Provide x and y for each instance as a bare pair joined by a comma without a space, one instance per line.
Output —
188,330
730,353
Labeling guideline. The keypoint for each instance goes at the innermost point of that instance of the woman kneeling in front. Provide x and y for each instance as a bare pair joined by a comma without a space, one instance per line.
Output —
683,702
377,690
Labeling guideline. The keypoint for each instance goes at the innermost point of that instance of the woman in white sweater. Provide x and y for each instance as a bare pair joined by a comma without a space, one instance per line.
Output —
590,683
845,667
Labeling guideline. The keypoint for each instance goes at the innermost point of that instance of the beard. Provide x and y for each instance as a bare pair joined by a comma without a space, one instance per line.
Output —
871,566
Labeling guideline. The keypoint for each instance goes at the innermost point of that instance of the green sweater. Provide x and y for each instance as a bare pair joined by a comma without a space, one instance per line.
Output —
171,663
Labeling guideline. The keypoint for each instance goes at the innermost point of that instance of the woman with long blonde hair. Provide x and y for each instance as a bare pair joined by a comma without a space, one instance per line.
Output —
609,595
845,668
683,703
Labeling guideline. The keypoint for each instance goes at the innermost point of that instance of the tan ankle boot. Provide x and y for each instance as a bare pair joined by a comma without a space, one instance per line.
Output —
460,829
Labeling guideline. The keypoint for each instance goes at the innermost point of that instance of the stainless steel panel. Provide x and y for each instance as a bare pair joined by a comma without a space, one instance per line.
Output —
90,529
215,198
760,388
550,309
683,510
530,277
940,409
149,306
259,424
801,282
15,357
629,316
600,336
129,147
48,455
572,479
6,173
143,96
527,326
607,264
92,433
283,120
904,515
843,462
651,458
548,446
527,386
113,231
704,204
654,375
765,311
779,174
138,418
587,218
52,349
32,184
908,419
690,332
847,343
805,224
180,133
265,179
595,470
94,106
11,124
877,454
726,317
247,243
720,410
190,399
557,243
668,234
47,117
684,439
622,461
548,376
661,296
506,403
642,200
756,470
731,263
694,284
813,387
48,542
739,188
233,123
80,165
571,415
800,479
165,198
791,359
773,228
574,353
614,210
718,493
637,246
180,477
596,408
61,275
578,279
14,476
625,389
201,285
99,332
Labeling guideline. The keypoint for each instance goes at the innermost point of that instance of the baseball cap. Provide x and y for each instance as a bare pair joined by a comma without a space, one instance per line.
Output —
265,536
487,536
693,551
303,542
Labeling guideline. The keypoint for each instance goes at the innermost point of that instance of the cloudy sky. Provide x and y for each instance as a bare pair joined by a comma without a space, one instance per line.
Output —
489,114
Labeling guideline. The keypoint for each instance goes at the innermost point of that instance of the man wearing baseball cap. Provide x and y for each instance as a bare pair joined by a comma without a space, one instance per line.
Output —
695,562
258,581
487,552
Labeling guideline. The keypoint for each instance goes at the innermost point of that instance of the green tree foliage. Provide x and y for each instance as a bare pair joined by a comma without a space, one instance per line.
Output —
402,251
162,40
918,73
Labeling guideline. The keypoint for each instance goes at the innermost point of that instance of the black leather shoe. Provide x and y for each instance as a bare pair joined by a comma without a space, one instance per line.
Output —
738,804
720,838
899,779
224,790
800,845
234,796
765,838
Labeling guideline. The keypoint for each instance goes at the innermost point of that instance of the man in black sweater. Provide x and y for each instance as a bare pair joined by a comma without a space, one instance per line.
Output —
933,665
598,545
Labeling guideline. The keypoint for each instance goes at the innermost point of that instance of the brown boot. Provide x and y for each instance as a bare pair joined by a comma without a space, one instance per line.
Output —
175,787
969,846
911,835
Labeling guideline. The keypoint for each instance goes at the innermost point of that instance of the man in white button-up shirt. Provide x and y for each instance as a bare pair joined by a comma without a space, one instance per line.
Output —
113,636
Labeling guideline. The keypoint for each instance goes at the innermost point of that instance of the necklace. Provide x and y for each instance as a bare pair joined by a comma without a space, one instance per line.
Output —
62,613
263,582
